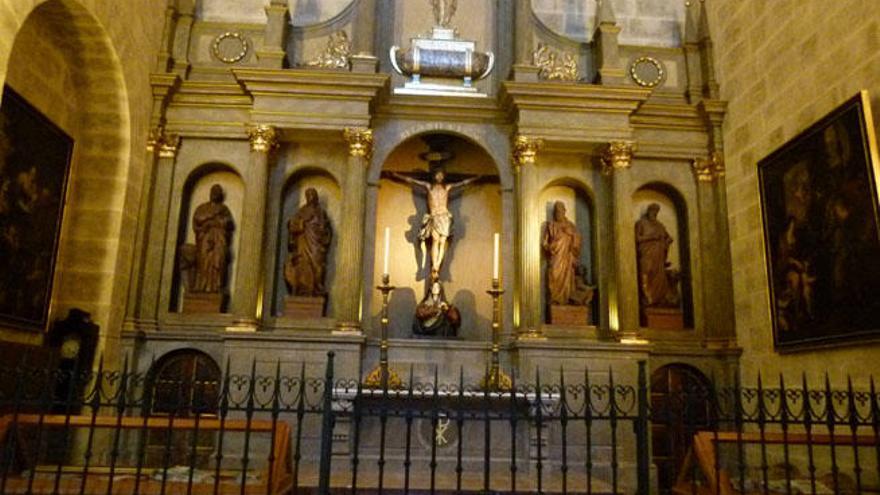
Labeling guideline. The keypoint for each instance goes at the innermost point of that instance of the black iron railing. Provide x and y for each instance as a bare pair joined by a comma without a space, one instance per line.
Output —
592,431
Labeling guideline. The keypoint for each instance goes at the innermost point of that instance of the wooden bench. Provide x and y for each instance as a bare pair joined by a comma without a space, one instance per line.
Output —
97,479
704,452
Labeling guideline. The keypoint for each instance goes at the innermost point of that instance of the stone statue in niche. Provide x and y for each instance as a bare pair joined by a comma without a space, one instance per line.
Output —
568,292
434,316
206,263
659,297
308,242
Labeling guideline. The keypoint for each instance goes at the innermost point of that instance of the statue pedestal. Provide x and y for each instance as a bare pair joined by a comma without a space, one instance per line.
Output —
304,308
202,302
569,315
664,318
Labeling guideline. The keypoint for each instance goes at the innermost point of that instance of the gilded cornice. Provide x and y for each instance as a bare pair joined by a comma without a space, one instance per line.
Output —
360,141
311,83
617,155
263,138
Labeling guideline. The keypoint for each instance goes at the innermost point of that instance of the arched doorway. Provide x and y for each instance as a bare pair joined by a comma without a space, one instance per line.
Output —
681,405
182,384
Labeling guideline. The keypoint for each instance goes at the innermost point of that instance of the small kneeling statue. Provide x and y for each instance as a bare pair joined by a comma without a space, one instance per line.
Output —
434,316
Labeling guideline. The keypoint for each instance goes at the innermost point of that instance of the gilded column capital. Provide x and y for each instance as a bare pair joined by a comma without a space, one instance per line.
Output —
165,143
525,149
360,141
264,138
709,169
617,155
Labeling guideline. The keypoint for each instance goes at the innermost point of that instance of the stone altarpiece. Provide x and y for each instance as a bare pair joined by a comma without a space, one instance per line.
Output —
277,107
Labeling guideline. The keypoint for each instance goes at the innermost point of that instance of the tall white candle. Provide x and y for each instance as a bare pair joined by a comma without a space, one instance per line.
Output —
387,244
495,261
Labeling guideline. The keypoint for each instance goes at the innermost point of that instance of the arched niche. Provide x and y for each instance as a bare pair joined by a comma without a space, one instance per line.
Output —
673,215
579,207
292,198
467,266
51,65
197,190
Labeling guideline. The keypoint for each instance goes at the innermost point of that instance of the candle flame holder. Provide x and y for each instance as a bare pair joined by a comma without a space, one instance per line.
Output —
495,379
382,376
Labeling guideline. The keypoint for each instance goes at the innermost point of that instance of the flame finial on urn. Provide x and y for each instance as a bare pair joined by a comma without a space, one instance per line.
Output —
443,12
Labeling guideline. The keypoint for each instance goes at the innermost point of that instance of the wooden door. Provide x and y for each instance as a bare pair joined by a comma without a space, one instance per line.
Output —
680,406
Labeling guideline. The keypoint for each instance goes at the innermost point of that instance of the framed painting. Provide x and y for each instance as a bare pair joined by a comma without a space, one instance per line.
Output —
821,234
34,167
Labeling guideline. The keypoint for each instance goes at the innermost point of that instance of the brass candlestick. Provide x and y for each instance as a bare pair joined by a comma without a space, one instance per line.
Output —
496,380
382,376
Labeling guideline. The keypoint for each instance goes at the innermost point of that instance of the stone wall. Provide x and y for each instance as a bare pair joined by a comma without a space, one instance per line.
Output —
84,66
783,65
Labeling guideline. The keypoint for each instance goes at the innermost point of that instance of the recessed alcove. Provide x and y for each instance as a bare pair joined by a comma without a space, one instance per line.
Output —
467,267
673,216
197,190
580,210
292,198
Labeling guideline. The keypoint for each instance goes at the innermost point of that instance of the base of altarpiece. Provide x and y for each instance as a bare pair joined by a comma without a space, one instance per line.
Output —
664,318
303,307
566,315
202,302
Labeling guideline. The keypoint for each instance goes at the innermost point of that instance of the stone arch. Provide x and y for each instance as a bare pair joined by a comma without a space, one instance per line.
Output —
61,59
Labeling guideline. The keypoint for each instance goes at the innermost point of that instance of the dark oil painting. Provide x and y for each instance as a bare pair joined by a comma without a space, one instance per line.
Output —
34,165
819,201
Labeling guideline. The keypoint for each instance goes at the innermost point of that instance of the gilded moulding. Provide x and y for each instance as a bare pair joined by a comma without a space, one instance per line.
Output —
554,65
641,66
709,169
263,138
360,141
336,54
617,155
165,143
525,149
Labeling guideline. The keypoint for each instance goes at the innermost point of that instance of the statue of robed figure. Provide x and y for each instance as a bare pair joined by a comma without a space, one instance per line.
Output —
659,296
309,236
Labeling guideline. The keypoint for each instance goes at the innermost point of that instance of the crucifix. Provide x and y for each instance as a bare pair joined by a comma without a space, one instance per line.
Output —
437,223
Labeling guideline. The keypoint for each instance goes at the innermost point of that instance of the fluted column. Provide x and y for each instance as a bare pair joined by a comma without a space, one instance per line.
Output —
623,295
273,52
716,287
162,148
251,228
525,155
351,229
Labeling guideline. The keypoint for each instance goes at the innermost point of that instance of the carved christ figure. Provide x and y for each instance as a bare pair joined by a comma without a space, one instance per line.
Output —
437,223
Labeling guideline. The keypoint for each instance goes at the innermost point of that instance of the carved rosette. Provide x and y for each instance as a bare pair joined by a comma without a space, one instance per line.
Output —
709,169
617,155
525,149
166,144
264,138
360,141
